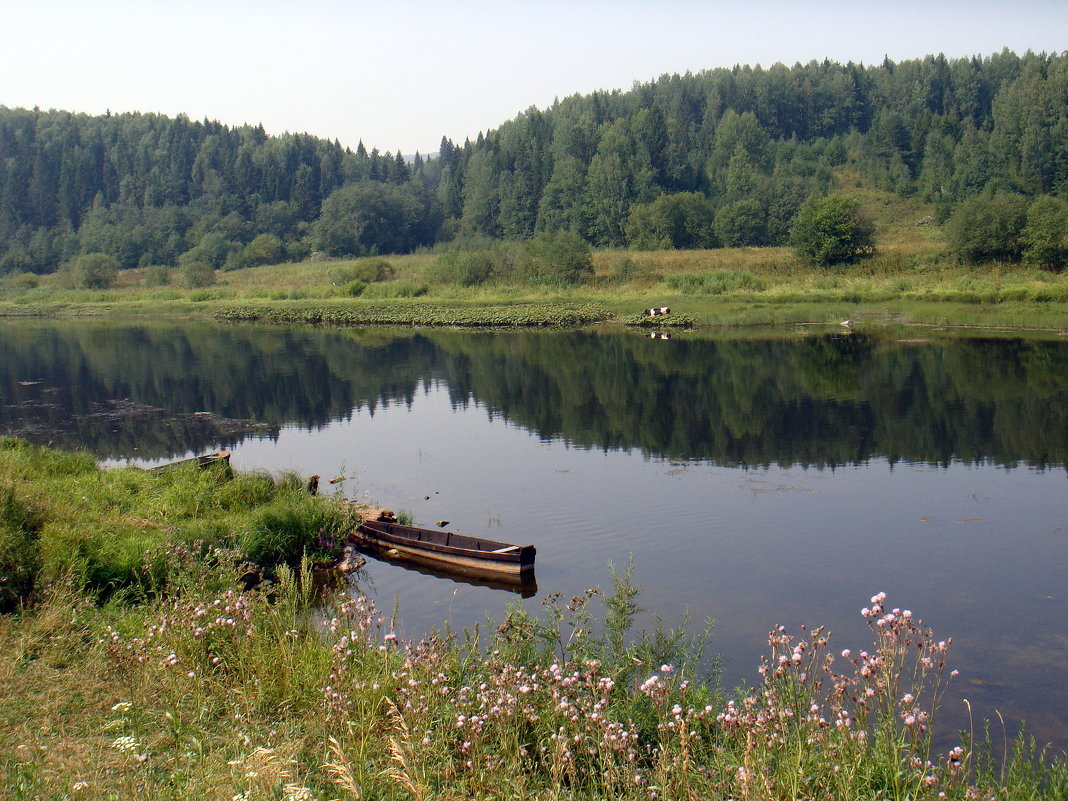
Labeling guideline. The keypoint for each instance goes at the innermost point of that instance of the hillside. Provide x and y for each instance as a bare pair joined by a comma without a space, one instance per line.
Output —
724,157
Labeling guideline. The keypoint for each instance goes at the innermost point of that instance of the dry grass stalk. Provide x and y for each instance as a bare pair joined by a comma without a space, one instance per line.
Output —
341,770
266,768
401,753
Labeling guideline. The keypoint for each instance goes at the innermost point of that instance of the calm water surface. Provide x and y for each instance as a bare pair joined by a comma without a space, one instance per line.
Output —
780,477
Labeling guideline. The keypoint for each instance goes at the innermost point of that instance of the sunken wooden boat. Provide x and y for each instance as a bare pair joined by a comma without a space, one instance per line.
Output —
205,460
446,549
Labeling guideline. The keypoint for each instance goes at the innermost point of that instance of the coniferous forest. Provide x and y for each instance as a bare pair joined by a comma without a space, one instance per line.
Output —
725,157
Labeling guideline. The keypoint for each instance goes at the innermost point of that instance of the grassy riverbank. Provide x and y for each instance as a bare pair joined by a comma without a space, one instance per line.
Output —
186,685
912,278
704,294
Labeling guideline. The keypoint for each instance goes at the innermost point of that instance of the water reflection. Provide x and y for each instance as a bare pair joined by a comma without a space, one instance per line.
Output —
819,400
526,586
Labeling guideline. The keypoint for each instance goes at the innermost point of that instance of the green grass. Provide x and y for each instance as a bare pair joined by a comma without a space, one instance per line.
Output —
200,688
108,531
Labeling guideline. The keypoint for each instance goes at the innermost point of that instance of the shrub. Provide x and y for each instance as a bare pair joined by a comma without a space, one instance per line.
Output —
353,289
682,220
831,230
95,271
741,223
197,274
367,271
560,258
625,269
987,228
1043,235
21,281
463,268
213,249
157,275
264,249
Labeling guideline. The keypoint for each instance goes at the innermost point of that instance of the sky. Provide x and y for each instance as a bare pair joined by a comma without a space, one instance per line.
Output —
400,75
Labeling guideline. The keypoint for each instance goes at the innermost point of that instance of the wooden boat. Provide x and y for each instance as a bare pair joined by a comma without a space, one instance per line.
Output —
205,460
446,549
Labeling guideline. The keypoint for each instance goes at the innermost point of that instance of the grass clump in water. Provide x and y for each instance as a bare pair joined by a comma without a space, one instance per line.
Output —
408,312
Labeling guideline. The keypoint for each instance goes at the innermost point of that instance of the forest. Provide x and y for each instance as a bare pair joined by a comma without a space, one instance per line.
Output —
725,157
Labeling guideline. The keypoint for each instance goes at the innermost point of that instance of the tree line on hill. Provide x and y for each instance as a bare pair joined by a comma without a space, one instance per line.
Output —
725,157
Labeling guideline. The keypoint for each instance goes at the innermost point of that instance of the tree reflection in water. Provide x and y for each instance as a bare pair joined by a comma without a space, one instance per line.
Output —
825,399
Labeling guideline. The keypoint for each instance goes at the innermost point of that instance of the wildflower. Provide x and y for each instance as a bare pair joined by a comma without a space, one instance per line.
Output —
125,743
121,706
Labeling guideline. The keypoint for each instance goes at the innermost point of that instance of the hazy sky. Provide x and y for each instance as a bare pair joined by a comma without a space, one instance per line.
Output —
402,74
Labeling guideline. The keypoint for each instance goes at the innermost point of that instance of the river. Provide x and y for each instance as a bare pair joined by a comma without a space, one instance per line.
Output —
756,478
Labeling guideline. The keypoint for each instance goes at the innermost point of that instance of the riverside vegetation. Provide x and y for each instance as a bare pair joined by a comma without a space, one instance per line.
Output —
136,663
559,280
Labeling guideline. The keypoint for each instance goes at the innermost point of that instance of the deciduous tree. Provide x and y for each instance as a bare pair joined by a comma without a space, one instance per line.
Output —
1045,233
987,227
831,230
